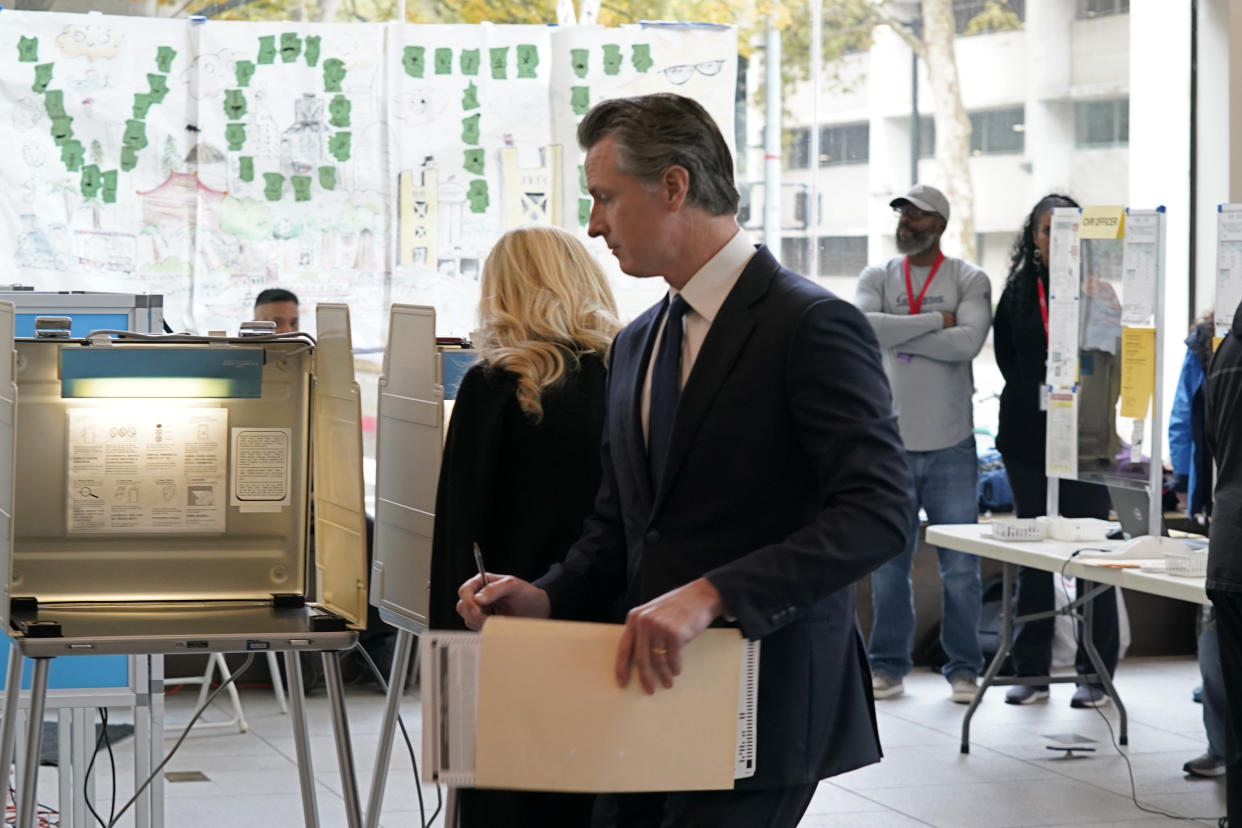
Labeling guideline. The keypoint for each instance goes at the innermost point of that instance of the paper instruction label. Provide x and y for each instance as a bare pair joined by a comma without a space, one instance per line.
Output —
261,467
142,470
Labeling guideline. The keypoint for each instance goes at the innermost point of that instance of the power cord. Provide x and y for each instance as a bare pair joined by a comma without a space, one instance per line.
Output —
102,739
1078,633
422,812
180,739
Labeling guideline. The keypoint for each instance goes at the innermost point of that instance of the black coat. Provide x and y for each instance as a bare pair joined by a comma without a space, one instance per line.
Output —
1223,421
1021,347
786,483
519,489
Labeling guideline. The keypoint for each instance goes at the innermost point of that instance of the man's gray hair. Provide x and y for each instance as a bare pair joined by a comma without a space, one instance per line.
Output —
654,132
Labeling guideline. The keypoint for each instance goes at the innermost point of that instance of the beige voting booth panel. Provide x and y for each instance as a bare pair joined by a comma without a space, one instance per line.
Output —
164,511
408,447
340,513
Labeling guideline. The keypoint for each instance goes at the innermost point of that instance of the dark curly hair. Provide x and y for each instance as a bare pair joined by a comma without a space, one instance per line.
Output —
1024,268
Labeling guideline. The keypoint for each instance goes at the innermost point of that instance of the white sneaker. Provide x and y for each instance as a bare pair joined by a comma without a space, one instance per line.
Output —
964,689
886,687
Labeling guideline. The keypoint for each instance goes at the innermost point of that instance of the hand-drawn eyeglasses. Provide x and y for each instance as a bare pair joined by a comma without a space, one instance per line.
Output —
682,72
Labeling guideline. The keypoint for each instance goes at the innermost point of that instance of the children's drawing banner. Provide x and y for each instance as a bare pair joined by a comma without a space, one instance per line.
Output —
359,163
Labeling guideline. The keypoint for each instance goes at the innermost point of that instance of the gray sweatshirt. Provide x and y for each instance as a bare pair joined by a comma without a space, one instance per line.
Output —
927,364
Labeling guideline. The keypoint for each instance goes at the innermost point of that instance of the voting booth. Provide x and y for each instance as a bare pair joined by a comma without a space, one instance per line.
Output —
157,499
87,310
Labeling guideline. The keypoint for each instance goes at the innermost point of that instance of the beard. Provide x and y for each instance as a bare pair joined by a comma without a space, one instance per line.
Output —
916,242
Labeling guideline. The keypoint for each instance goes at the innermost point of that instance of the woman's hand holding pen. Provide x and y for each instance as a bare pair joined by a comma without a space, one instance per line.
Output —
490,594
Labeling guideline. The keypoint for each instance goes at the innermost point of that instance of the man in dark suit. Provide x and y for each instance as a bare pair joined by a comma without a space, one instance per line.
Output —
752,470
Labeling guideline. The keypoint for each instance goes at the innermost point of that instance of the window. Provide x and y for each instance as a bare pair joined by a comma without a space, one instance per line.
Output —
844,144
838,255
1096,8
797,143
964,11
1102,123
796,253
842,255
927,136
997,131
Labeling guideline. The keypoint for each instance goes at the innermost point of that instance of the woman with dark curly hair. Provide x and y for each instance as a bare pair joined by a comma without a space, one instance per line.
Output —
1020,337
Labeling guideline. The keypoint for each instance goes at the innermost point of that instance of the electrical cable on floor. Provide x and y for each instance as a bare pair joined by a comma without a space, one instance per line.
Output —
46,815
383,683
224,685
1078,632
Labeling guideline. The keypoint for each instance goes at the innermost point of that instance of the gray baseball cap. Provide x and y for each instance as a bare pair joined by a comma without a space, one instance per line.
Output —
924,197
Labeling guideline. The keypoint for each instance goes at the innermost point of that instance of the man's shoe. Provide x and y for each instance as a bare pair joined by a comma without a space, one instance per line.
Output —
964,688
1205,765
1025,694
1090,695
886,687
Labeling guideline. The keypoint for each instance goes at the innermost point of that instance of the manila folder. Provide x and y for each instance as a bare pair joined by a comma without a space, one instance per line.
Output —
551,716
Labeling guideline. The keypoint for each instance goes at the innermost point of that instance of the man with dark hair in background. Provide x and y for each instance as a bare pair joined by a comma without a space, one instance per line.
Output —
752,470
280,306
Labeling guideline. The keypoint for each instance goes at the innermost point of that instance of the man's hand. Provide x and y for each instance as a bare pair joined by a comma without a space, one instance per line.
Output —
656,632
503,595
949,319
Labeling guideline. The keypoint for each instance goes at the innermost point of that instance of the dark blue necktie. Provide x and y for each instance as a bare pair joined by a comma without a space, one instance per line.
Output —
665,389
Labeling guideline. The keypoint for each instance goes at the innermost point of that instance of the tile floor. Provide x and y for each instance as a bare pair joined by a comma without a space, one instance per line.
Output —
1009,778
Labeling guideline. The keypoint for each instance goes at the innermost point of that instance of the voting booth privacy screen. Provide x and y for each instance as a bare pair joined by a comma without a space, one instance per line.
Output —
1105,314
154,478
409,442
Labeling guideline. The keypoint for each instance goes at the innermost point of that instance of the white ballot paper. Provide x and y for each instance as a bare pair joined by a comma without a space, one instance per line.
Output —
533,704
146,470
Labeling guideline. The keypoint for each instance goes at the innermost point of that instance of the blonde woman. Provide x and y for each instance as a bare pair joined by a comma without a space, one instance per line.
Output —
522,459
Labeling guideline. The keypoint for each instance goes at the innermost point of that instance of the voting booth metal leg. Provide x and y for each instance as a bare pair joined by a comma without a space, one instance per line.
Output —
1090,589
340,728
1008,575
8,724
28,793
301,742
388,725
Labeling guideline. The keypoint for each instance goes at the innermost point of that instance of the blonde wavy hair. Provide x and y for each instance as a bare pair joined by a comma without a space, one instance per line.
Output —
546,303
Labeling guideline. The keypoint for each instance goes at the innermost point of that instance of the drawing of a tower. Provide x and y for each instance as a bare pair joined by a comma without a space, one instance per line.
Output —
531,194
417,209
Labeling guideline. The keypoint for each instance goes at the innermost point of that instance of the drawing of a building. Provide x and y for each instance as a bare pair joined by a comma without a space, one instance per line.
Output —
531,194
417,209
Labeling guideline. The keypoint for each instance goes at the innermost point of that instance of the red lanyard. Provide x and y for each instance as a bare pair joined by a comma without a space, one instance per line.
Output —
1043,305
916,304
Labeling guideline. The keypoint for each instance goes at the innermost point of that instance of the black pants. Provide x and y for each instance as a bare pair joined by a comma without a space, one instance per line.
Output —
1229,631
487,808
773,808
1032,647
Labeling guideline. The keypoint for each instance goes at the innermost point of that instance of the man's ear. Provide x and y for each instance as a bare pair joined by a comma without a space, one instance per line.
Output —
675,186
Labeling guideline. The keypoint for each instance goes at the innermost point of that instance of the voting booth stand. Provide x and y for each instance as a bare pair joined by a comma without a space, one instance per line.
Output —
157,500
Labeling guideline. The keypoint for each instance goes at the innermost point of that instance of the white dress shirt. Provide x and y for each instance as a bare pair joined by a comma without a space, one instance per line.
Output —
704,293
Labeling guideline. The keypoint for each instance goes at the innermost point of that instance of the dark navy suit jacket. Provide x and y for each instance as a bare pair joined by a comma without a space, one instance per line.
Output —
786,483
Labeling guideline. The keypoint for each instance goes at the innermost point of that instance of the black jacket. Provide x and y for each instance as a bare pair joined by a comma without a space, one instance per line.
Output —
519,489
1223,403
1021,348
786,483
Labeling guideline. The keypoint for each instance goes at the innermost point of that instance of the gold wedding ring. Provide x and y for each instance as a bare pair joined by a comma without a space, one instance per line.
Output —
659,650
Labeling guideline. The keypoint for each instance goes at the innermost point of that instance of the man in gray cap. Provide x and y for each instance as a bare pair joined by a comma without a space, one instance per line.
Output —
931,314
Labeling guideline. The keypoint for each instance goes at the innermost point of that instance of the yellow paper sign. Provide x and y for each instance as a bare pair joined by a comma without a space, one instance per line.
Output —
1102,222
1138,370
1216,340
